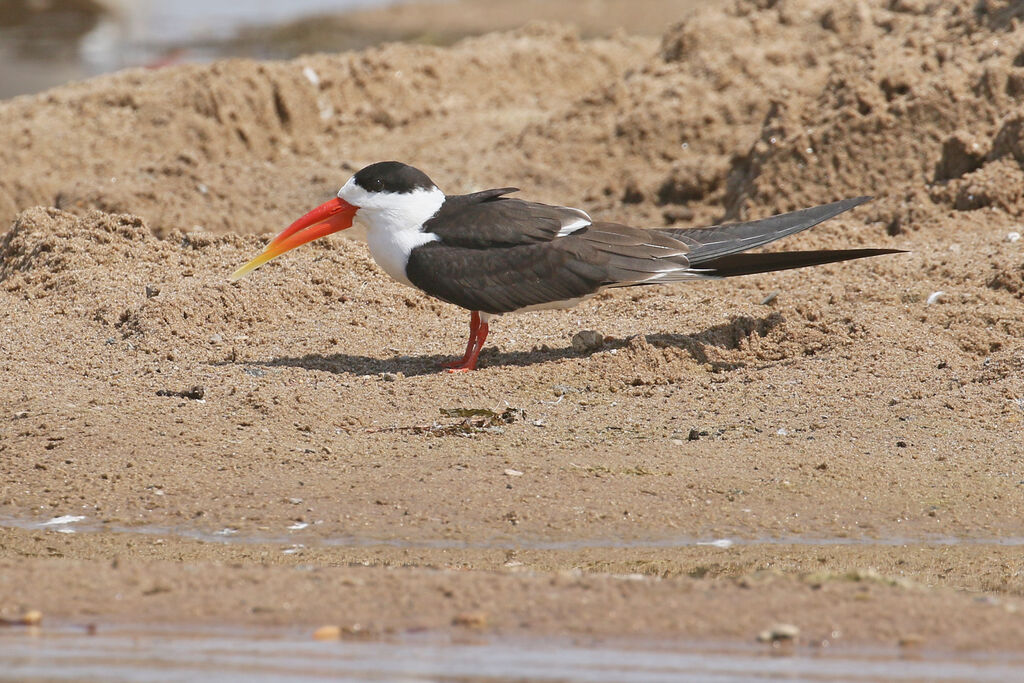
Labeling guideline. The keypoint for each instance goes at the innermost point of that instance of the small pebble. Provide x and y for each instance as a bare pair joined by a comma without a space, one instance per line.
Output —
586,341
1013,236
470,620
389,376
911,640
32,618
779,632
328,632
513,473
151,291
196,393
216,338
311,76
933,297
770,298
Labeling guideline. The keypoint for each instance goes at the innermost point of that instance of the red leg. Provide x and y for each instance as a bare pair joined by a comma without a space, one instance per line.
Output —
474,328
472,354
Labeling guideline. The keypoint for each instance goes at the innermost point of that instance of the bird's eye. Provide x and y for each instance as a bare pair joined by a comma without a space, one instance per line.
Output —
379,183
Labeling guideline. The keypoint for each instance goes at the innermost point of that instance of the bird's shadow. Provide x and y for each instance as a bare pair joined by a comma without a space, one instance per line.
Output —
726,336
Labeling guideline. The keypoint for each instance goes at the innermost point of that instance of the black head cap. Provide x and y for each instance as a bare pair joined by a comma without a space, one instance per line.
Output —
392,176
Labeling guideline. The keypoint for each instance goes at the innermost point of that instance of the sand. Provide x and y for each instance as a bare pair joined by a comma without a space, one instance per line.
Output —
283,450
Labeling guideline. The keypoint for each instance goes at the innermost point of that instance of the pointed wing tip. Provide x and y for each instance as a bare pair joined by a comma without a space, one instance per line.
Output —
856,201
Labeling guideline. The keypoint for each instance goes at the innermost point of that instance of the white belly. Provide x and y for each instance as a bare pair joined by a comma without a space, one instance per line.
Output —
391,249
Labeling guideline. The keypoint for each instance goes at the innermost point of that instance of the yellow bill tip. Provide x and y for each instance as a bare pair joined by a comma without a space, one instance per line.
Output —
251,266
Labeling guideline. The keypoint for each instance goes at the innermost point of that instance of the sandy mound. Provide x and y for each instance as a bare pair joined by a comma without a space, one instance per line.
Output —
924,113
757,106
243,146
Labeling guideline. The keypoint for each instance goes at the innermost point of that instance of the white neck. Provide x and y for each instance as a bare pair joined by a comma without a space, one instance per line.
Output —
394,223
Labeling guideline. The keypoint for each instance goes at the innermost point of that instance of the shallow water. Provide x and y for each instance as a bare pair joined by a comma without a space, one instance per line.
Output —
148,654
299,535
58,41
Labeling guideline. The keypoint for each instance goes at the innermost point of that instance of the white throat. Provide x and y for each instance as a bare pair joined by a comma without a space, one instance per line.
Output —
394,223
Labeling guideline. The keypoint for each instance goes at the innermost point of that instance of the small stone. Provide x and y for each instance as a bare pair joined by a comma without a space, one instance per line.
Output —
933,298
470,620
586,341
328,632
389,376
770,298
677,442
358,631
196,393
311,76
216,338
151,291
1013,237
693,435
779,633
911,640
513,473
33,617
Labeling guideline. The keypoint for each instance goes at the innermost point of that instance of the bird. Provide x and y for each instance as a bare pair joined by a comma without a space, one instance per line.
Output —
493,254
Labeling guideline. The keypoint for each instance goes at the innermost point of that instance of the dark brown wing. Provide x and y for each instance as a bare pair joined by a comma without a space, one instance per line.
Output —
500,280
484,220
509,255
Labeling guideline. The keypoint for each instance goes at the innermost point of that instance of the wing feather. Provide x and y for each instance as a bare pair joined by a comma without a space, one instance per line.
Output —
497,254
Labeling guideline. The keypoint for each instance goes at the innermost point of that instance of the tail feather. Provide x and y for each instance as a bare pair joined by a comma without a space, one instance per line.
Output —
748,264
716,241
